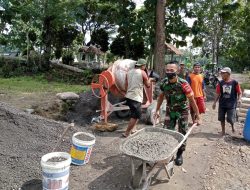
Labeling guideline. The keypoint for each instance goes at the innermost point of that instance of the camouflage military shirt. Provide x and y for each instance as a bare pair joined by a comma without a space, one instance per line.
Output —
176,94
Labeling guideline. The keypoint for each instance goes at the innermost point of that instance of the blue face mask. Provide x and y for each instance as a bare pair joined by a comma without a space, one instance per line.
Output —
171,75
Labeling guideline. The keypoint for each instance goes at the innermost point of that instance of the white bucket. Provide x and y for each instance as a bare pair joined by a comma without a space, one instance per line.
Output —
245,100
81,150
246,93
56,173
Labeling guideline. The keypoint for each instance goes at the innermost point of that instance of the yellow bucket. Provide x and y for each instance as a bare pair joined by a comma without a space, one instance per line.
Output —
81,148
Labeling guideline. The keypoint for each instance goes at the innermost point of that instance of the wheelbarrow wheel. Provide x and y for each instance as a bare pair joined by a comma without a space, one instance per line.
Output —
137,182
137,179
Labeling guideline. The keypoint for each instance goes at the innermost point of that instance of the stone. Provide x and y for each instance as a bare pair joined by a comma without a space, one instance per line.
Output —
67,96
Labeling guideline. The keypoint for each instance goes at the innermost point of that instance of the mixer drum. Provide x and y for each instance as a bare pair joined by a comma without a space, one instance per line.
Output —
119,70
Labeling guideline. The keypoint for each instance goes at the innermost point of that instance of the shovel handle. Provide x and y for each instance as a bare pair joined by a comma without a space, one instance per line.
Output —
63,134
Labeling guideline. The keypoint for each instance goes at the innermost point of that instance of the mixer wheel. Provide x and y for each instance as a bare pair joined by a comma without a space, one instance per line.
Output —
100,86
122,113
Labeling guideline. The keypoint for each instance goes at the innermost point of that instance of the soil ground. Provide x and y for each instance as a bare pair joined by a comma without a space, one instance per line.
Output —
211,162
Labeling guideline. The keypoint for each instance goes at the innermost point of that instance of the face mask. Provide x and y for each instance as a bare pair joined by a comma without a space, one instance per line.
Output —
171,75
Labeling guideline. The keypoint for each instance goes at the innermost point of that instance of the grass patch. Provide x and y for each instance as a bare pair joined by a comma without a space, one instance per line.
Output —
29,84
245,85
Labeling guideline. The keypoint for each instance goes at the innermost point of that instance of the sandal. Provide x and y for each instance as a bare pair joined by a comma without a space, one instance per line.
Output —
135,131
124,135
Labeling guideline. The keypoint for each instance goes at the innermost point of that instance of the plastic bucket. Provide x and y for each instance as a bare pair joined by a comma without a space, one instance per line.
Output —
55,169
81,149
246,93
246,130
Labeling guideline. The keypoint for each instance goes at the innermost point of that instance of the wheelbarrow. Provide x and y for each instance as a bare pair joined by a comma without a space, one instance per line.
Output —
150,168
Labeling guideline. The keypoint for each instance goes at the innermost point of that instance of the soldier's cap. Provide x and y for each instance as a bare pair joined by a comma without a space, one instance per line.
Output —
226,70
141,62
181,63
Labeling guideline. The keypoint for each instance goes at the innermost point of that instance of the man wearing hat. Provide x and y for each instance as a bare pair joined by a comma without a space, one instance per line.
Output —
228,92
135,80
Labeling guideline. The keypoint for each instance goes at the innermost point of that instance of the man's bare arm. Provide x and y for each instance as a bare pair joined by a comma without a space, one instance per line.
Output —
195,108
194,105
159,102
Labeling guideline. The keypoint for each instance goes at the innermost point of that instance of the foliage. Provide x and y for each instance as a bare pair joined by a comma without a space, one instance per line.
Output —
68,57
100,37
221,28
118,47
88,76
16,66
110,57
213,25
93,15
245,85
237,42
67,76
137,49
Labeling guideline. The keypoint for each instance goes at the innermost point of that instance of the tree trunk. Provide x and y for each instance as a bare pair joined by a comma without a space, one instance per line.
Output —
27,38
159,51
127,45
47,37
68,67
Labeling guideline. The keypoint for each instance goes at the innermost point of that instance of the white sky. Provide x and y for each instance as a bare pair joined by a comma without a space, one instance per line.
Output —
139,2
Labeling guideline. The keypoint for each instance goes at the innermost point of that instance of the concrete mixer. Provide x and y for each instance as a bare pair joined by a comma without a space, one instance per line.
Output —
113,80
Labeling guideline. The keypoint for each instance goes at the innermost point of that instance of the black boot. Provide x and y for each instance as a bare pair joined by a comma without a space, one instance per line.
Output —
179,159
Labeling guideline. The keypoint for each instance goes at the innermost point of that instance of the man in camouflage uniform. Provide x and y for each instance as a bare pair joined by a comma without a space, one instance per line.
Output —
177,92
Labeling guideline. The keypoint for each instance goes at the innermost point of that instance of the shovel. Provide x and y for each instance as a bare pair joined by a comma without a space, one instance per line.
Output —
63,134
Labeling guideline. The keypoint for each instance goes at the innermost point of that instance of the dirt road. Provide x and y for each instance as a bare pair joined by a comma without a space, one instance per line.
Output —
211,162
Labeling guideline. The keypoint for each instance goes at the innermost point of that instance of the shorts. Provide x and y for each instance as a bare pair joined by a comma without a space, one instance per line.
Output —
231,115
135,108
200,104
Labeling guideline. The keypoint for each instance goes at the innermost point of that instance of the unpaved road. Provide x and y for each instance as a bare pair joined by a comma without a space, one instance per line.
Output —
211,162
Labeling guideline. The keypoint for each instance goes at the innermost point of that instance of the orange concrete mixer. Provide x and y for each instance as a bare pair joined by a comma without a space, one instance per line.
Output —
113,80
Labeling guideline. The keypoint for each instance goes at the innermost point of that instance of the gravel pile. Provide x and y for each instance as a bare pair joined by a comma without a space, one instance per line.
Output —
86,106
84,109
24,139
150,146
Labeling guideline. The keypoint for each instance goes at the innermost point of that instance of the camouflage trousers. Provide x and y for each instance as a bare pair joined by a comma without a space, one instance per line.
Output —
174,117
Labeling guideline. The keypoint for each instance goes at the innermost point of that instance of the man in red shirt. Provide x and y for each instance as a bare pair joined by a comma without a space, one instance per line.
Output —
228,92
197,84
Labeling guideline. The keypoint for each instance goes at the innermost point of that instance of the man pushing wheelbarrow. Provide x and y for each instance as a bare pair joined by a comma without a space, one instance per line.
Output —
153,147
177,92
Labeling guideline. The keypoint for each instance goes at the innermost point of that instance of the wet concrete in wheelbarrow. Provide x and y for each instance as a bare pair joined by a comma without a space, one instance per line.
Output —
150,146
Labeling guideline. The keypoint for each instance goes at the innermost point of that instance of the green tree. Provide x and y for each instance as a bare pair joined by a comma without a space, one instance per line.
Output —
236,44
175,28
212,25
100,37
117,47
